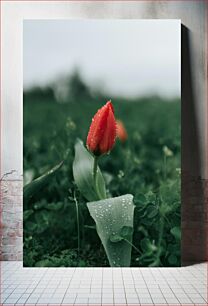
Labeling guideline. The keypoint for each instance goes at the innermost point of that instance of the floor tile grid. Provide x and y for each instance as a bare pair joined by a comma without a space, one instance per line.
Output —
171,290
176,283
62,291
89,287
49,289
108,289
40,293
57,291
154,289
78,288
127,281
141,287
190,281
183,286
25,285
132,296
118,286
149,285
203,289
7,288
66,298
22,288
174,287
165,289
83,288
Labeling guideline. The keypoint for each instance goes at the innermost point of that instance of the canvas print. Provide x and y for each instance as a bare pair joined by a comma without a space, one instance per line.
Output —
102,143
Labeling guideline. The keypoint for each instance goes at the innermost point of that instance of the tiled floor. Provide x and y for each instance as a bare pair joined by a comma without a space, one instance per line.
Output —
103,286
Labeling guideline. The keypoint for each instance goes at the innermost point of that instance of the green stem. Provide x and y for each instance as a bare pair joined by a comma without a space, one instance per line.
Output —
78,227
133,246
165,167
95,171
161,230
157,260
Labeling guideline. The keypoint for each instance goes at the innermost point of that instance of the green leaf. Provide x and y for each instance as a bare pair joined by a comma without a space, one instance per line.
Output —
40,205
176,232
83,173
126,231
147,221
41,217
140,199
81,263
147,245
115,238
172,259
151,211
31,226
28,176
44,263
32,189
27,214
55,206
150,196
172,248
93,227
114,222
108,177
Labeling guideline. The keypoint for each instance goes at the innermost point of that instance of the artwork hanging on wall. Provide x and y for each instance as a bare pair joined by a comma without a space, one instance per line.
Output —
102,143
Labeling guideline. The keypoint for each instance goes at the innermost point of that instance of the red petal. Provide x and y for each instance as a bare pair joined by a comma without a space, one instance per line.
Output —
102,132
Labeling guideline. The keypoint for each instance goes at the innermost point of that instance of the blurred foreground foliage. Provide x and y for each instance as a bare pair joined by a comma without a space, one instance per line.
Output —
147,166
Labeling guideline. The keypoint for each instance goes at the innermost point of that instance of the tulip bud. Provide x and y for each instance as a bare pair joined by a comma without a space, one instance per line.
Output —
102,132
121,131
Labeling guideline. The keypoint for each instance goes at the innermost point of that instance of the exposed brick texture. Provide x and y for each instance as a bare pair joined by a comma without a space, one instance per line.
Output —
11,225
194,210
194,244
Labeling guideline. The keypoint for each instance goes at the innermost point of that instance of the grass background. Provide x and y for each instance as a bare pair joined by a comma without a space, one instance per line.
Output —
147,166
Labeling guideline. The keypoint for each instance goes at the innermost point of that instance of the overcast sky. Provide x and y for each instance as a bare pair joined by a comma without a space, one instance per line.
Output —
126,57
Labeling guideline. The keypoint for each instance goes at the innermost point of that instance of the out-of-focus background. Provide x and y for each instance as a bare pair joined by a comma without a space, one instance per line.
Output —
71,68
128,58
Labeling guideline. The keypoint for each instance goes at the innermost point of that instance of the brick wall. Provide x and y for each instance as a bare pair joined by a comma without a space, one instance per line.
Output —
194,216
11,217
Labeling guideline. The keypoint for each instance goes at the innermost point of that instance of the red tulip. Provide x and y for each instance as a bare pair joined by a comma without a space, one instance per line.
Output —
121,131
102,133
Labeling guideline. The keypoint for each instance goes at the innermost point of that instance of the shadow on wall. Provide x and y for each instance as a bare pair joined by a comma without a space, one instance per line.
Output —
194,234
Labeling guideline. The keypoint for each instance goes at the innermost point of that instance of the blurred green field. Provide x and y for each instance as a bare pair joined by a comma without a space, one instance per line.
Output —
147,166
